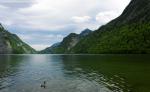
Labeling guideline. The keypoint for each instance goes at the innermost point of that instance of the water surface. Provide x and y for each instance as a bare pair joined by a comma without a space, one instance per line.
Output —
75,73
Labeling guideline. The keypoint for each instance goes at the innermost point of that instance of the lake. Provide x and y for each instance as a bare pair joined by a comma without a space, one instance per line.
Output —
75,73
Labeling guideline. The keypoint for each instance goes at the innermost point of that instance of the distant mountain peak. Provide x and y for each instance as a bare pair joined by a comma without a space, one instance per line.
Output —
67,44
85,32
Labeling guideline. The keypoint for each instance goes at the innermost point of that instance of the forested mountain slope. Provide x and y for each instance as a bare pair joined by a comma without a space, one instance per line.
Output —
12,44
129,33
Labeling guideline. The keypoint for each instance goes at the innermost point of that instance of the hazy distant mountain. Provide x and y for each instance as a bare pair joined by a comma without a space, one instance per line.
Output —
50,50
67,44
12,44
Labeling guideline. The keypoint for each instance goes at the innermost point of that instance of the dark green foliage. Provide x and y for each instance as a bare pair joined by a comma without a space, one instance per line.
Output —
124,39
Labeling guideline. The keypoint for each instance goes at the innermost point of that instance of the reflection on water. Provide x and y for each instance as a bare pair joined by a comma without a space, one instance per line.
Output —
74,73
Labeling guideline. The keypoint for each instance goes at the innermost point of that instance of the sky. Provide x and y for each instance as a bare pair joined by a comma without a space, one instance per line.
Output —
41,23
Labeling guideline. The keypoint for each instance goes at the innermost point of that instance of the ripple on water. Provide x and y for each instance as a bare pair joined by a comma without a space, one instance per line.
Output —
59,78
6,83
59,85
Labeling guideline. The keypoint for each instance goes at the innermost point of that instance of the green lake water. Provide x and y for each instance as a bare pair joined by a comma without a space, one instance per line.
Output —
75,73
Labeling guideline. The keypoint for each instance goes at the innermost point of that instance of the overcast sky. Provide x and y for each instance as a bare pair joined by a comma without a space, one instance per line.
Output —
40,23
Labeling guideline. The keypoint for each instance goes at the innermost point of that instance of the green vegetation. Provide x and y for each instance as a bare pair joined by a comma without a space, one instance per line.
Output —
133,38
12,44
129,33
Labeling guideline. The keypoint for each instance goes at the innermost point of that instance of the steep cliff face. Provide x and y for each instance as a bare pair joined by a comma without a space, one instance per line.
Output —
12,44
129,33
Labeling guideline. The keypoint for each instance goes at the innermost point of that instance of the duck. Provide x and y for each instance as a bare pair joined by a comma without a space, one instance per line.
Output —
43,85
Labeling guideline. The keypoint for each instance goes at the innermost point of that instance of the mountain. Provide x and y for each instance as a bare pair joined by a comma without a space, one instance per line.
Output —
129,33
85,33
12,44
67,44
50,50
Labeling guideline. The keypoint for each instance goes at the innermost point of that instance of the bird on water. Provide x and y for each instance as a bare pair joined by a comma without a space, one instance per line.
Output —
43,85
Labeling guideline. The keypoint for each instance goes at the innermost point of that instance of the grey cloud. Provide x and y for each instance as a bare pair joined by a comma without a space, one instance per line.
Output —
16,4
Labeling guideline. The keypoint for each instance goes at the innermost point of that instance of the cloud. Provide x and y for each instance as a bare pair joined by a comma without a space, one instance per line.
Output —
39,47
47,39
44,40
81,19
55,17
53,14
2,7
105,17
15,1
15,4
